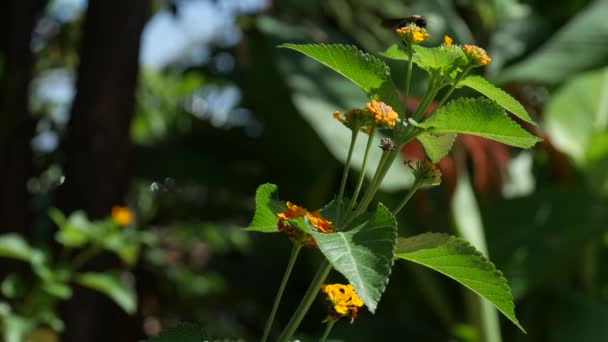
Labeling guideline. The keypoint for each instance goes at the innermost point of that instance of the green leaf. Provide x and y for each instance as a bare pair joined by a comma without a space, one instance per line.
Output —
112,285
480,117
364,255
182,332
15,247
368,72
457,259
496,94
576,47
267,205
436,146
445,60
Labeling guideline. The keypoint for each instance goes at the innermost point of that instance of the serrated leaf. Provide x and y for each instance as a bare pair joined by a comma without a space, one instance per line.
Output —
436,146
364,255
267,205
446,60
112,285
182,332
370,73
481,117
496,94
457,259
576,47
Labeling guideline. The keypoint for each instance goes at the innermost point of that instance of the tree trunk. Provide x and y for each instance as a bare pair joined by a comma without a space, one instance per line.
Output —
98,143
18,18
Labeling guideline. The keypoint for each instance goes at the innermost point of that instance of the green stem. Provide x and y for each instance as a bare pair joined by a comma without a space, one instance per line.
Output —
84,257
353,200
306,302
353,139
408,79
409,195
292,260
451,90
330,324
426,101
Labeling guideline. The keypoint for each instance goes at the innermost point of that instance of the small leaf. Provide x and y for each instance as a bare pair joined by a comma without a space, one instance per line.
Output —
15,247
112,285
364,255
436,146
370,73
447,60
267,205
457,259
182,332
480,117
496,94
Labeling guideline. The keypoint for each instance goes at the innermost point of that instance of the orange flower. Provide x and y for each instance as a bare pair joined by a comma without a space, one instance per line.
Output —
425,172
447,41
315,219
383,114
412,34
476,55
122,215
344,300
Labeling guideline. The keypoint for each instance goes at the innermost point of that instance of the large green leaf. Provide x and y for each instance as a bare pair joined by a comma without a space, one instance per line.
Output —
364,255
480,117
496,94
457,259
112,285
436,146
577,47
368,72
182,332
267,205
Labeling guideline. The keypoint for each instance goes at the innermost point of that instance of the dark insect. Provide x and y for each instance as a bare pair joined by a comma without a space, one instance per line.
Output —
397,23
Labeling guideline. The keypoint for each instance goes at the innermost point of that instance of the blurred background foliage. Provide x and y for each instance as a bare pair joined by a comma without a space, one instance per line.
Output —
180,108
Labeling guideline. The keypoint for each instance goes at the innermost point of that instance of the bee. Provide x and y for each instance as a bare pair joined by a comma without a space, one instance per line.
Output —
397,23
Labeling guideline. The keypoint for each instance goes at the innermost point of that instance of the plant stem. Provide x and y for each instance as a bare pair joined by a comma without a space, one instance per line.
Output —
306,302
353,139
295,250
407,197
410,53
85,256
451,90
353,200
330,324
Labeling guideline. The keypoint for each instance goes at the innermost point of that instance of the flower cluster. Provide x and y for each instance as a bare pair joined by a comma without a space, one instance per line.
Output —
375,113
412,34
123,216
425,172
447,41
476,55
315,219
344,300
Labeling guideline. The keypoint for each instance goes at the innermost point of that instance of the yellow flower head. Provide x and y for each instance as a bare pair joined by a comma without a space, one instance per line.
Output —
122,215
476,55
384,115
344,300
425,172
447,41
412,34
315,219
355,119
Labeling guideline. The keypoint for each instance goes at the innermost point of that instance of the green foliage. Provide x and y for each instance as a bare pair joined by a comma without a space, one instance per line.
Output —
574,48
113,285
480,117
364,254
15,247
182,332
577,119
365,70
457,259
267,205
436,146
496,94
443,61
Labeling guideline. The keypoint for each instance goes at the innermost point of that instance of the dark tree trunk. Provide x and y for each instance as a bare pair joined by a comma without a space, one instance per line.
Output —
98,143
18,18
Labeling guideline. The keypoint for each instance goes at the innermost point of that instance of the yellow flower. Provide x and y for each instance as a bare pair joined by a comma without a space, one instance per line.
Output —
476,55
425,172
412,34
383,114
122,215
447,41
344,300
